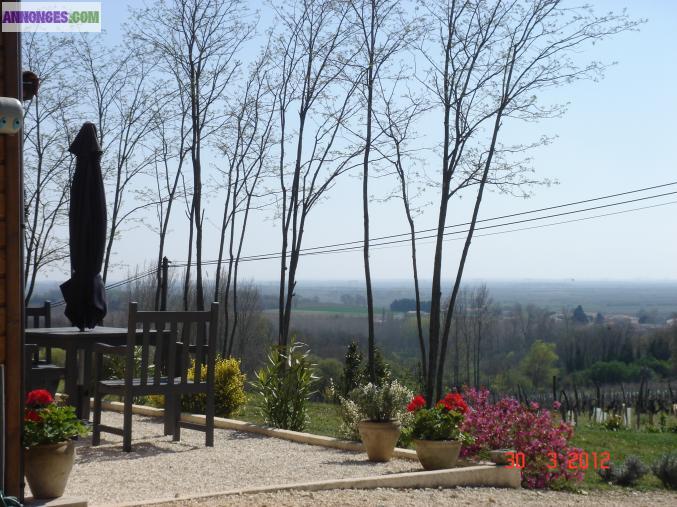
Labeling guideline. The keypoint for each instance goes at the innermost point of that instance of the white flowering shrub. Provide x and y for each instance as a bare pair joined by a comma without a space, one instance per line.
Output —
385,403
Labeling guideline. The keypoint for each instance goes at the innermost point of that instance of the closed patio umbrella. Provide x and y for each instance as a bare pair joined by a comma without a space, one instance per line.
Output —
84,293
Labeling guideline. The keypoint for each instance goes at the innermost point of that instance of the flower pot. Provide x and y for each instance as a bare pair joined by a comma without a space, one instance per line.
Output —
379,438
47,468
437,454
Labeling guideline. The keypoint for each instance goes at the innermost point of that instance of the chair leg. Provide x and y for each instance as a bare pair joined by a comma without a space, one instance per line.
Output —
127,424
96,432
176,434
169,414
209,420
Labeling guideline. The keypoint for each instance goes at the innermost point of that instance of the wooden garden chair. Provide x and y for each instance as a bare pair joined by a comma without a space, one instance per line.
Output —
34,316
169,341
40,373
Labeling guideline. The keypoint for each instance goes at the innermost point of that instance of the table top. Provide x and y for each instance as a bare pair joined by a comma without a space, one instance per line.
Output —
74,331
61,337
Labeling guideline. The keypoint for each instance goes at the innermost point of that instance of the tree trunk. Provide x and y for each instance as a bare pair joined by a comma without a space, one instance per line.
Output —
365,205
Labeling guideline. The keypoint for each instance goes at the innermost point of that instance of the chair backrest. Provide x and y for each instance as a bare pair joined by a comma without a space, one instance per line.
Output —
34,313
168,341
33,316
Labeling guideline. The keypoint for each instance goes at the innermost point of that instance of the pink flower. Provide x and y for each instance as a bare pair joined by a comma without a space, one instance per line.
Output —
556,404
507,424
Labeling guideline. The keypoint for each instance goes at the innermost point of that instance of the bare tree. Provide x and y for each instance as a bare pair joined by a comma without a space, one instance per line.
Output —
396,123
170,133
120,100
47,163
481,310
312,61
246,148
487,62
196,42
382,32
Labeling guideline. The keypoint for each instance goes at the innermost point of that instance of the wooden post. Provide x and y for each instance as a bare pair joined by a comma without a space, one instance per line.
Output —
11,272
163,290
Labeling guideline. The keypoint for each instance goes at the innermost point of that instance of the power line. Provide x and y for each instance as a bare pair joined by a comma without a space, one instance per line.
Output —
395,243
511,215
379,244
359,243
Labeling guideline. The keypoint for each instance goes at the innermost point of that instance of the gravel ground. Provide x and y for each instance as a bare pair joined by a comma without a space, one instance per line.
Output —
446,497
158,468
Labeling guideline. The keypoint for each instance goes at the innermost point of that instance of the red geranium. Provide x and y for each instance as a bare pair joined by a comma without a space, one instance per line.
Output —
454,401
38,398
32,415
417,402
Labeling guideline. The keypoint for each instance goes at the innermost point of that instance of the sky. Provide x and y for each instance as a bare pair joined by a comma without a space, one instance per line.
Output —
617,135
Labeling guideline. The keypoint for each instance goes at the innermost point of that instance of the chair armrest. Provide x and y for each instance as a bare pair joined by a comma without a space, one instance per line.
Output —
103,348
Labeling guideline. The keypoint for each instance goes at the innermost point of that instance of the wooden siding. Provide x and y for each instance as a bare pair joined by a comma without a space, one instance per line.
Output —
11,279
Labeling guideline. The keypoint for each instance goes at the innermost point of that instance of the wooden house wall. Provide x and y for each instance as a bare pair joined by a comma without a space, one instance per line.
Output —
11,278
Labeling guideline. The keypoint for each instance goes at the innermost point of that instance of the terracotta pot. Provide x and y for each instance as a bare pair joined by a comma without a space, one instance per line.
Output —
47,468
379,438
437,454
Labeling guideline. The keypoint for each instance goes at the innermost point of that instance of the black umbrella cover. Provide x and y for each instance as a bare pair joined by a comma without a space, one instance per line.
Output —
84,293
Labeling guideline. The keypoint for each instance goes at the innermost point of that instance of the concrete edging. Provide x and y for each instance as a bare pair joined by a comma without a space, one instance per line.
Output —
481,475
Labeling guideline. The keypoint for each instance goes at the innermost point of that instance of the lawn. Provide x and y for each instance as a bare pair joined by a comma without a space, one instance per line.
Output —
621,444
324,420
323,417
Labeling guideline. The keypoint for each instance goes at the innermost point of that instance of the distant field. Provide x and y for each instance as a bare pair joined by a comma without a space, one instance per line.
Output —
331,309
607,297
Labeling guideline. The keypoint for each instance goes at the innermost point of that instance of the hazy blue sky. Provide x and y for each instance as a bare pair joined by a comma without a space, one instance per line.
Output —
619,134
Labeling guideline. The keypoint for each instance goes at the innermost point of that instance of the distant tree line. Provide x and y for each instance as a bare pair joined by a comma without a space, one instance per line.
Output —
409,305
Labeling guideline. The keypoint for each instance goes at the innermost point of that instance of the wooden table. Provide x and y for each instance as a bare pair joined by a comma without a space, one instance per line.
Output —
78,347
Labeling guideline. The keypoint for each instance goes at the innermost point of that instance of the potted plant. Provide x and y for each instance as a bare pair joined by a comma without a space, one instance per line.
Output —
381,407
49,430
436,431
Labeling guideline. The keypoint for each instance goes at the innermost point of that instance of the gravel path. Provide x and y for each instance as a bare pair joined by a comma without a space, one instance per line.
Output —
447,497
158,468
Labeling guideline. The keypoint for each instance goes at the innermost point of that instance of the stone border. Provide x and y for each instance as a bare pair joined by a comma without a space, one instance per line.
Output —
63,501
481,475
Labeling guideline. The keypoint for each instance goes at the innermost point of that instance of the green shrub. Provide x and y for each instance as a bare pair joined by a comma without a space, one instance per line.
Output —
356,369
627,474
666,470
229,393
350,417
614,422
286,384
328,373
352,372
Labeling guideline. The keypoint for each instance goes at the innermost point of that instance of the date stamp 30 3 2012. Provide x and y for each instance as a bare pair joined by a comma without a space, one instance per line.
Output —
575,460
